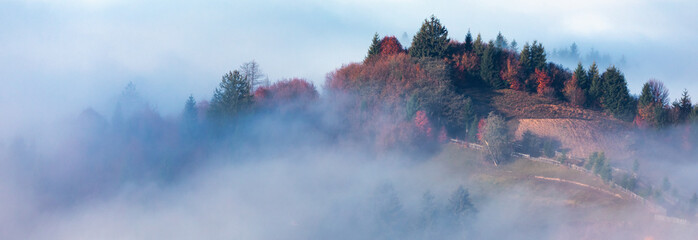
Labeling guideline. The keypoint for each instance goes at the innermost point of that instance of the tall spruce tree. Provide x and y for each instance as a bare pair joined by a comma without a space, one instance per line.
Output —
525,61
596,88
501,42
582,78
190,112
231,97
616,97
375,47
684,107
514,46
431,40
479,46
538,59
468,42
489,67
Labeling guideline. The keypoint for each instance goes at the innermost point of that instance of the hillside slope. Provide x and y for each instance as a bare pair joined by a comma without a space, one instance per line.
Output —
580,131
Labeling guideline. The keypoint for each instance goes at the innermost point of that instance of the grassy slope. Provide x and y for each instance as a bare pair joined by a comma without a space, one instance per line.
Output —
581,131
563,209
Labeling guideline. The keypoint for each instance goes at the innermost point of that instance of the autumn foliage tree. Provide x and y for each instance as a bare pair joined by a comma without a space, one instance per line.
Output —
393,87
290,94
510,74
653,105
573,92
544,87
390,46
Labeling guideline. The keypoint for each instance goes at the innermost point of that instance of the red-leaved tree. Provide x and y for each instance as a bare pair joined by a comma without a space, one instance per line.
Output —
544,83
391,46
290,93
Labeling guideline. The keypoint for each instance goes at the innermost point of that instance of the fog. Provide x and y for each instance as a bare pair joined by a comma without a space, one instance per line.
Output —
72,168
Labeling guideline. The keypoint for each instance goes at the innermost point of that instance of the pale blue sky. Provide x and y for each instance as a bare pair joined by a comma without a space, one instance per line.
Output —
59,57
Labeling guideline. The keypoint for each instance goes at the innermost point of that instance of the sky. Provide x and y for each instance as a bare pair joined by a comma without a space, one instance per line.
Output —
60,57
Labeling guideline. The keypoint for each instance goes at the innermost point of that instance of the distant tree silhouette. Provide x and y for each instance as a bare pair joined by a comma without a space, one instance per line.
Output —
232,97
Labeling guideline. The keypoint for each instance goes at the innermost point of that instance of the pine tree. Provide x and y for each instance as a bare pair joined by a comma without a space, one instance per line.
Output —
595,86
190,112
460,205
489,67
616,97
514,46
538,60
375,47
684,107
479,46
431,40
582,79
468,42
525,61
231,97
501,42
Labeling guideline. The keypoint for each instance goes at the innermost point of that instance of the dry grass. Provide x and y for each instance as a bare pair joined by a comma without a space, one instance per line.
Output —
580,131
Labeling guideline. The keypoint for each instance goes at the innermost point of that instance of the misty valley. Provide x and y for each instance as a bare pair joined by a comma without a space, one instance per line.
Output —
435,139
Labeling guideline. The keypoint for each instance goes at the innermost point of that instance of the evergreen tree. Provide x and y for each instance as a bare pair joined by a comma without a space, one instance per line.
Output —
514,46
468,42
479,46
595,86
431,40
489,67
538,60
375,47
582,78
190,113
501,42
460,206
684,107
189,118
525,61
231,97
616,97
652,106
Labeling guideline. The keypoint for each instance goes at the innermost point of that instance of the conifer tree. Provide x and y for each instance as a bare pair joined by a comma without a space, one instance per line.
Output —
479,46
231,97
501,42
468,42
582,78
375,47
684,107
616,97
489,67
525,61
538,60
190,112
431,40
514,46
595,86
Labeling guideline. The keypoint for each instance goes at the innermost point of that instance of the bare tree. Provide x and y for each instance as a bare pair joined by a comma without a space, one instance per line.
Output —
251,71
